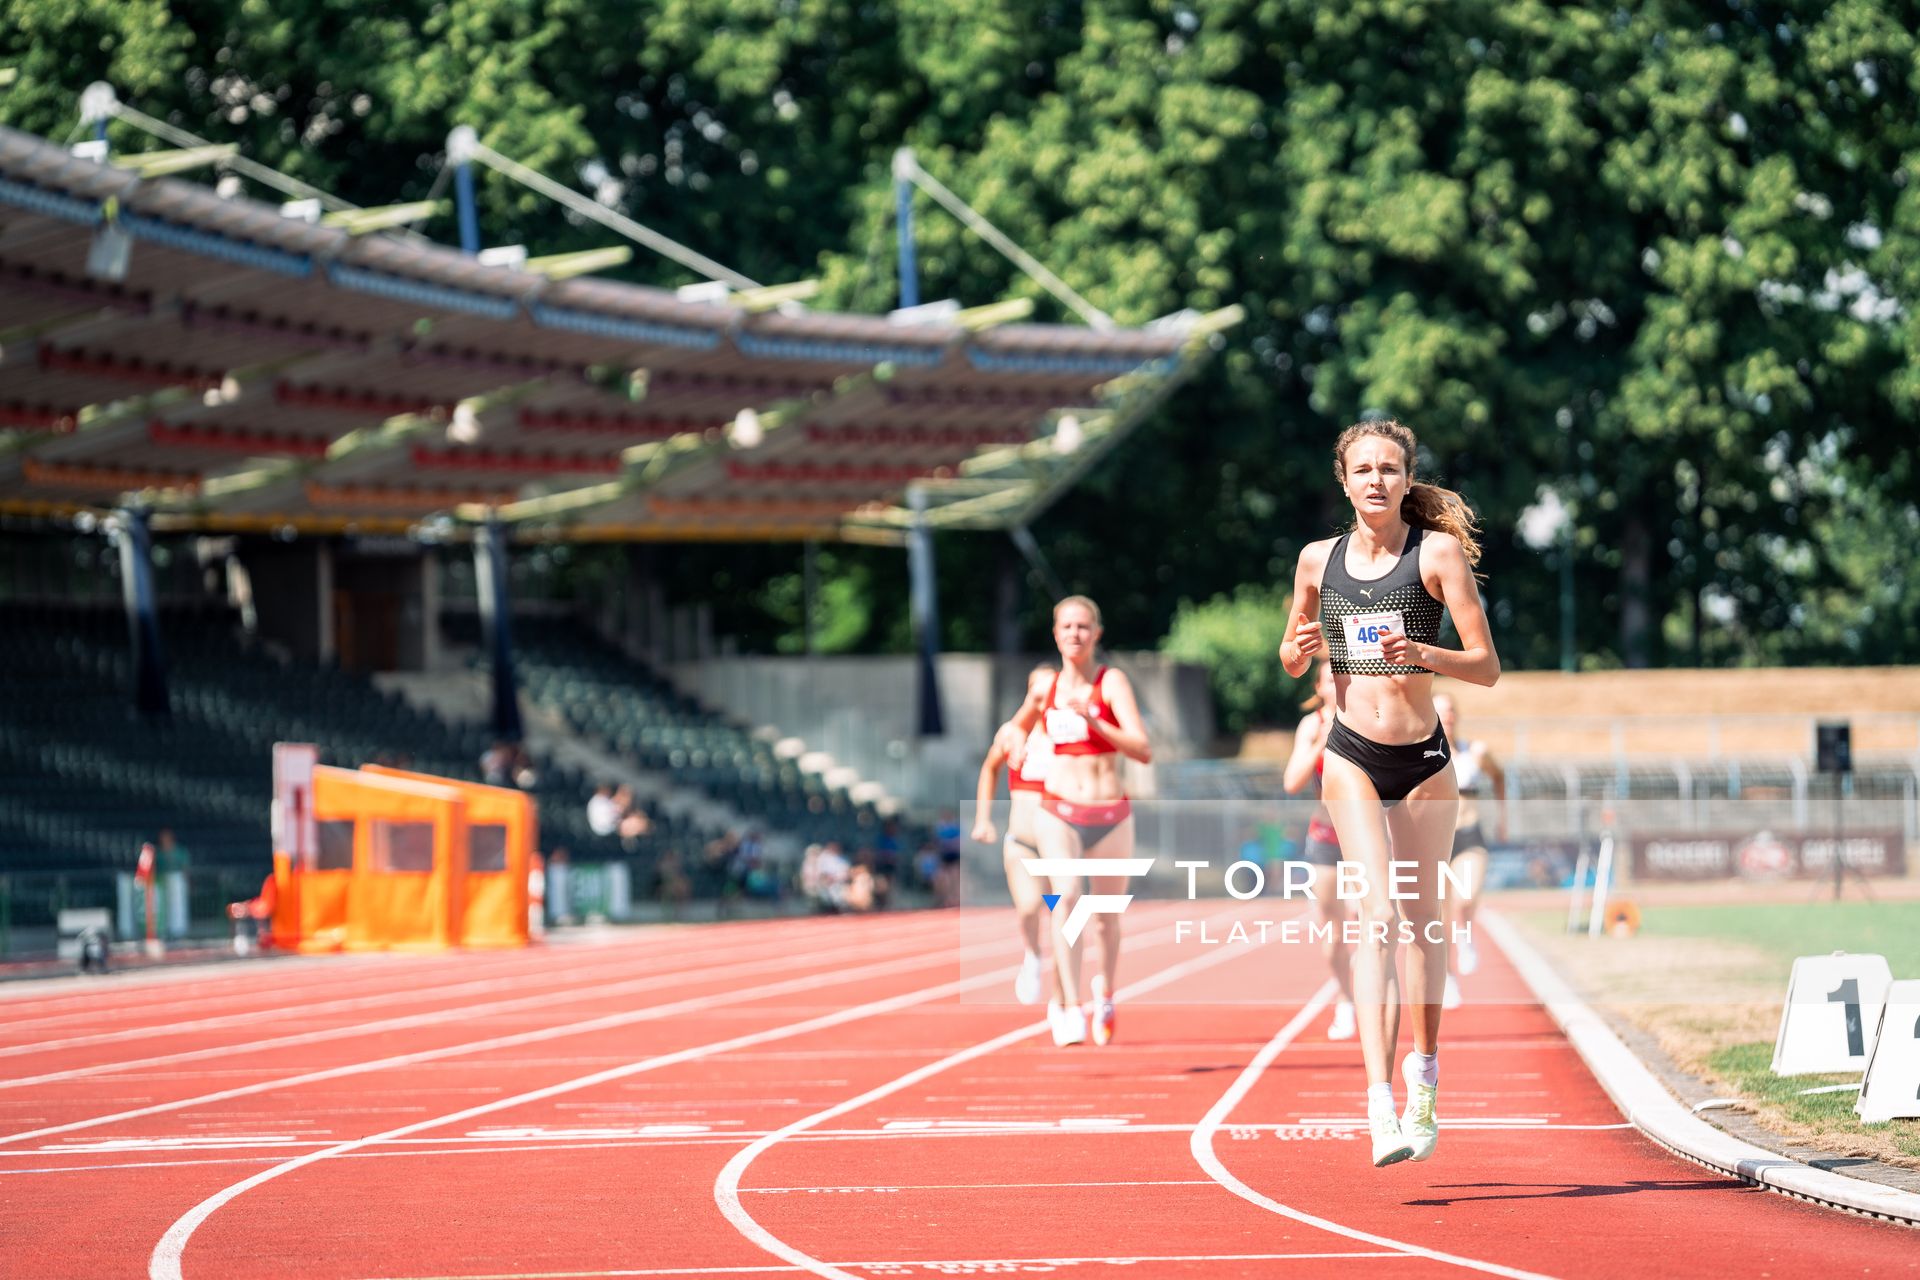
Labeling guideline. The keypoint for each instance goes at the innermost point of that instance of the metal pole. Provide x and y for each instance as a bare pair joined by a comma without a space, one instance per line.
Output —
1839,843
1569,661
460,145
810,579
98,104
496,610
926,614
903,165
1023,539
143,620
1602,886
1576,900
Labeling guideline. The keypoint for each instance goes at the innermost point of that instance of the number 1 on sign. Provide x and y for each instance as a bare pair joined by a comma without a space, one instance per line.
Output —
1848,994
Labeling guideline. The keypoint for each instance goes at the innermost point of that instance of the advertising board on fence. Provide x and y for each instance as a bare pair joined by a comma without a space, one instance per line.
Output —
1766,855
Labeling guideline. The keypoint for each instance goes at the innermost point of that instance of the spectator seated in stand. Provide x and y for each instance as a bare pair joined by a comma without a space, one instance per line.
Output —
824,876
633,823
750,869
520,767
603,813
860,888
496,765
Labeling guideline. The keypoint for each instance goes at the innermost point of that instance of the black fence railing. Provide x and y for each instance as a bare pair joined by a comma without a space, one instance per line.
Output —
31,903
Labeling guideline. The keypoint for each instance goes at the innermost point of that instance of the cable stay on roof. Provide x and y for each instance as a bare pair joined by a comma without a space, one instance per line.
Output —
906,166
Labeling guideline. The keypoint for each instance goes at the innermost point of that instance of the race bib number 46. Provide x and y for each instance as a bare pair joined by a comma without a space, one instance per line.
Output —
1365,631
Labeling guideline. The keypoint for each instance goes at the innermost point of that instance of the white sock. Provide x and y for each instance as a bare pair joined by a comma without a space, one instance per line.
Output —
1380,1095
1427,1065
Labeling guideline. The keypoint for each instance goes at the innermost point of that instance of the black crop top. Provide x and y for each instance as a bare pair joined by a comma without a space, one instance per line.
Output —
1350,610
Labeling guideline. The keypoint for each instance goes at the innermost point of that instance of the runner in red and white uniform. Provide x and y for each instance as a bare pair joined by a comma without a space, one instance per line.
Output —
1321,850
1092,719
1026,783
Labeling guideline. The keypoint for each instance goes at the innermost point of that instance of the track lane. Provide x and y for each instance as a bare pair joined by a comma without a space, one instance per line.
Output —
408,1088
713,986
1598,1199
608,1177
347,977
725,1086
549,988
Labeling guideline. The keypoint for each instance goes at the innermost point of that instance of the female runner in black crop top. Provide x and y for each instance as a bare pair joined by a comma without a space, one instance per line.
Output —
1371,600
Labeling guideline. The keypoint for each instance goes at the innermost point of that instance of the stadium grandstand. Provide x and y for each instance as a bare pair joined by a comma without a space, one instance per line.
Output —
302,409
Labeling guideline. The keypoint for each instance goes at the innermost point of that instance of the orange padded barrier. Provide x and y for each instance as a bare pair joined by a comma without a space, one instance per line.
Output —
403,886
502,832
310,913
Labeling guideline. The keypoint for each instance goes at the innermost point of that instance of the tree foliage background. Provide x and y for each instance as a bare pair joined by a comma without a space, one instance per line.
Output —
1658,259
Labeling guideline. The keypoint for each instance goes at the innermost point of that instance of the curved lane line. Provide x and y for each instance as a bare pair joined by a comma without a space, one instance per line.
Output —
726,1188
1201,1144
165,1261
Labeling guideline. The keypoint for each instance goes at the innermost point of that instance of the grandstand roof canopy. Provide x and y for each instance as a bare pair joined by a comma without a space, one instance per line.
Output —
251,370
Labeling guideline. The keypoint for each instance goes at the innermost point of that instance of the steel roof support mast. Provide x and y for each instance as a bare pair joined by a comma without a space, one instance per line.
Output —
462,142
903,168
924,594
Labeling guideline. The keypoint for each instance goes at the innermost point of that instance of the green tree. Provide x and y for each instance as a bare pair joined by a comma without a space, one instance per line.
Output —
1236,638
1659,257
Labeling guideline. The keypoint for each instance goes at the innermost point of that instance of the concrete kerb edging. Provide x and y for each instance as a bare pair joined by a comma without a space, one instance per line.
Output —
1647,1105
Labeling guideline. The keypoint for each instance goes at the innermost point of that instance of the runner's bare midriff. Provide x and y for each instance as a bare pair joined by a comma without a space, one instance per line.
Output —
1086,779
1393,710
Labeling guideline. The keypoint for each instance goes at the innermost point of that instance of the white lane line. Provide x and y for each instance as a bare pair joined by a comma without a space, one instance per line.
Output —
268,977
975,1186
608,1022
423,1148
165,1261
1201,1144
726,1188
505,979
783,959
93,997
934,1266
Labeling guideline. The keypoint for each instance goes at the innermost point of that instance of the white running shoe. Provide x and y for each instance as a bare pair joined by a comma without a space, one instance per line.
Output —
1068,1023
1466,958
1026,987
1419,1124
1390,1146
1103,1018
1450,998
1343,1027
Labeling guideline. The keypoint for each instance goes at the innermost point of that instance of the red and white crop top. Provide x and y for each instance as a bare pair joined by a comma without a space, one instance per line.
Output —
1071,732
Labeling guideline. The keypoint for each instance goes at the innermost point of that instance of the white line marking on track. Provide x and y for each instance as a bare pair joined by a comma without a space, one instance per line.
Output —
268,978
333,975
504,978
935,1266
780,960
424,1148
1201,1144
983,1186
726,1188
164,1264
607,1022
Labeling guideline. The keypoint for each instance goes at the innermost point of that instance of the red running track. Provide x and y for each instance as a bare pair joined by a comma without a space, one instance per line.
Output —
835,1097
